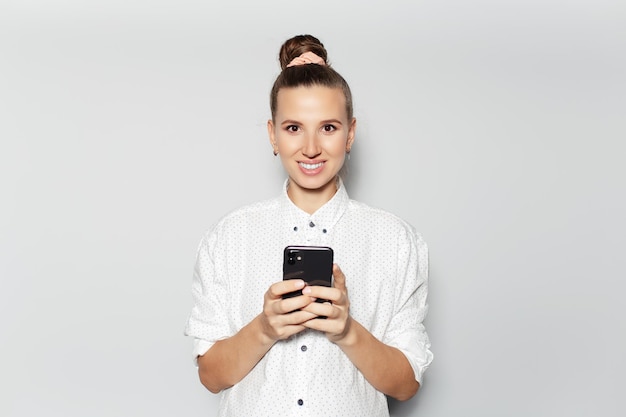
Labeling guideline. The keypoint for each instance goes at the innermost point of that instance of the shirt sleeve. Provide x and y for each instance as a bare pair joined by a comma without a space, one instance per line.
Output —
406,331
208,321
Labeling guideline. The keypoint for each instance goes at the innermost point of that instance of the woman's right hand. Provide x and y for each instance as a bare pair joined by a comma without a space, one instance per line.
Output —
282,318
229,360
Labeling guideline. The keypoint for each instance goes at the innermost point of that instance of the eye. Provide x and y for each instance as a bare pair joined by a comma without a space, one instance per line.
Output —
329,128
292,128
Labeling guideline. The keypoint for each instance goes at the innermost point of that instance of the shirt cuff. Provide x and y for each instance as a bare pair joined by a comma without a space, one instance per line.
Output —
200,347
417,352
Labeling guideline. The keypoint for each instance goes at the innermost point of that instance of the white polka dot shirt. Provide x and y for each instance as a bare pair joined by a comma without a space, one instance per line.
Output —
386,267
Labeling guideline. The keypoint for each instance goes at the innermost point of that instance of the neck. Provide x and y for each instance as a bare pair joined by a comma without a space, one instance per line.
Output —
311,200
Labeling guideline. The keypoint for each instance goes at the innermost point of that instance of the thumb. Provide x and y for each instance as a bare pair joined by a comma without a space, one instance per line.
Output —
339,279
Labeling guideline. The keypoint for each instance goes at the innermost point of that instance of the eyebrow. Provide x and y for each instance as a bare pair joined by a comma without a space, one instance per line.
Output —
290,122
324,122
336,121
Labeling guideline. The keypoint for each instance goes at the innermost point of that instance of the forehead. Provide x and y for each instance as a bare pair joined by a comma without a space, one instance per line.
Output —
311,102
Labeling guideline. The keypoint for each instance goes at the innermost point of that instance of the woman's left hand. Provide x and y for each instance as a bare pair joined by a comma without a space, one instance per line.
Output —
364,350
336,310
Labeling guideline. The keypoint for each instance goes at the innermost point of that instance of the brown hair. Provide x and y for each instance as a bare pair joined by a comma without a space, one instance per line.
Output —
307,75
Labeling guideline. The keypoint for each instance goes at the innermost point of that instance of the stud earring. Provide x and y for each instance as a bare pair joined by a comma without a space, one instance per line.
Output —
275,153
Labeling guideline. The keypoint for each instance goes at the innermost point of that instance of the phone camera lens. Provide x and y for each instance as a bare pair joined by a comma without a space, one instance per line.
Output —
291,260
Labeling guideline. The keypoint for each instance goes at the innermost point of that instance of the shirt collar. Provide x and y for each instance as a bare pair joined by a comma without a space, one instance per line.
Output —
325,217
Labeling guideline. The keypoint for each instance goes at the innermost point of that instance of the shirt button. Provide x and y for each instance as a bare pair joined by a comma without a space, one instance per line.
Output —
311,224
303,348
300,402
295,229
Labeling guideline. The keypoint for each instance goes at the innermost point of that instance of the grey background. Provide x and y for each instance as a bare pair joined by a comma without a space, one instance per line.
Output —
495,127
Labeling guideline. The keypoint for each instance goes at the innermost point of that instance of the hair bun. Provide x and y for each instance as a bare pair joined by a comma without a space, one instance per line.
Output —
296,46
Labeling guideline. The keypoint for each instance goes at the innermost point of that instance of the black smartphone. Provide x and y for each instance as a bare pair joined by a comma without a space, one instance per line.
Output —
313,264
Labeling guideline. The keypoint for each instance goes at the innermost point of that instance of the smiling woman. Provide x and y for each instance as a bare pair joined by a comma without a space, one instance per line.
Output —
312,134
271,355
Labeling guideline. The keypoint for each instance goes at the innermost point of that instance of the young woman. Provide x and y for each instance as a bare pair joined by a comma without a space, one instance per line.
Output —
270,356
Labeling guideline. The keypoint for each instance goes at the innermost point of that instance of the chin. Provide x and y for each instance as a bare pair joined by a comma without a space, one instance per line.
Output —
315,184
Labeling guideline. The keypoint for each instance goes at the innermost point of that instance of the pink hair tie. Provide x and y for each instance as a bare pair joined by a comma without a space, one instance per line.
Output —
307,58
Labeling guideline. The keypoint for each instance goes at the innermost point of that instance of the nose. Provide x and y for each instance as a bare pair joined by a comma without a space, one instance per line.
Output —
311,147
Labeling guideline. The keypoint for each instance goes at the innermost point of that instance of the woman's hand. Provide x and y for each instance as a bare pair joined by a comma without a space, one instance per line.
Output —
282,318
337,310
385,367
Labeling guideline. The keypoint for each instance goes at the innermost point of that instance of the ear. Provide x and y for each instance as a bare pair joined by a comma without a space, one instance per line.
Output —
351,134
272,136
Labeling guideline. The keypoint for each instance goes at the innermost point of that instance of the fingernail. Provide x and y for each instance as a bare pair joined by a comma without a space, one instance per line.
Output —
307,290
299,284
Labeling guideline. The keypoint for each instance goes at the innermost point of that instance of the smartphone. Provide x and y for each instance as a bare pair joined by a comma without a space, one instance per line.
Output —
313,264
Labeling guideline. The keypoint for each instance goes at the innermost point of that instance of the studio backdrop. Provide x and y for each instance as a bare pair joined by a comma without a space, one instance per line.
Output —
496,128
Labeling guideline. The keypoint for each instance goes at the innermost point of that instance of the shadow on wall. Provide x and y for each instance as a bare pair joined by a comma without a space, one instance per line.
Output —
350,171
403,408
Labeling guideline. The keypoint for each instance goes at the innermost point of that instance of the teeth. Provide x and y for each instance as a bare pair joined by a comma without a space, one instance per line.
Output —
310,166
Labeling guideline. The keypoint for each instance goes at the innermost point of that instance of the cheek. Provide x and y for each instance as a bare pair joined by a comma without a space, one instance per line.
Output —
338,146
286,144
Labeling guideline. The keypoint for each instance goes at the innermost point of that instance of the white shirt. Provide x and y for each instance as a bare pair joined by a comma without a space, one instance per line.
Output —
385,262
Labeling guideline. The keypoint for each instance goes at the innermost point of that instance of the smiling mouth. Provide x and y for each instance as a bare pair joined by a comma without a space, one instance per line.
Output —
310,166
